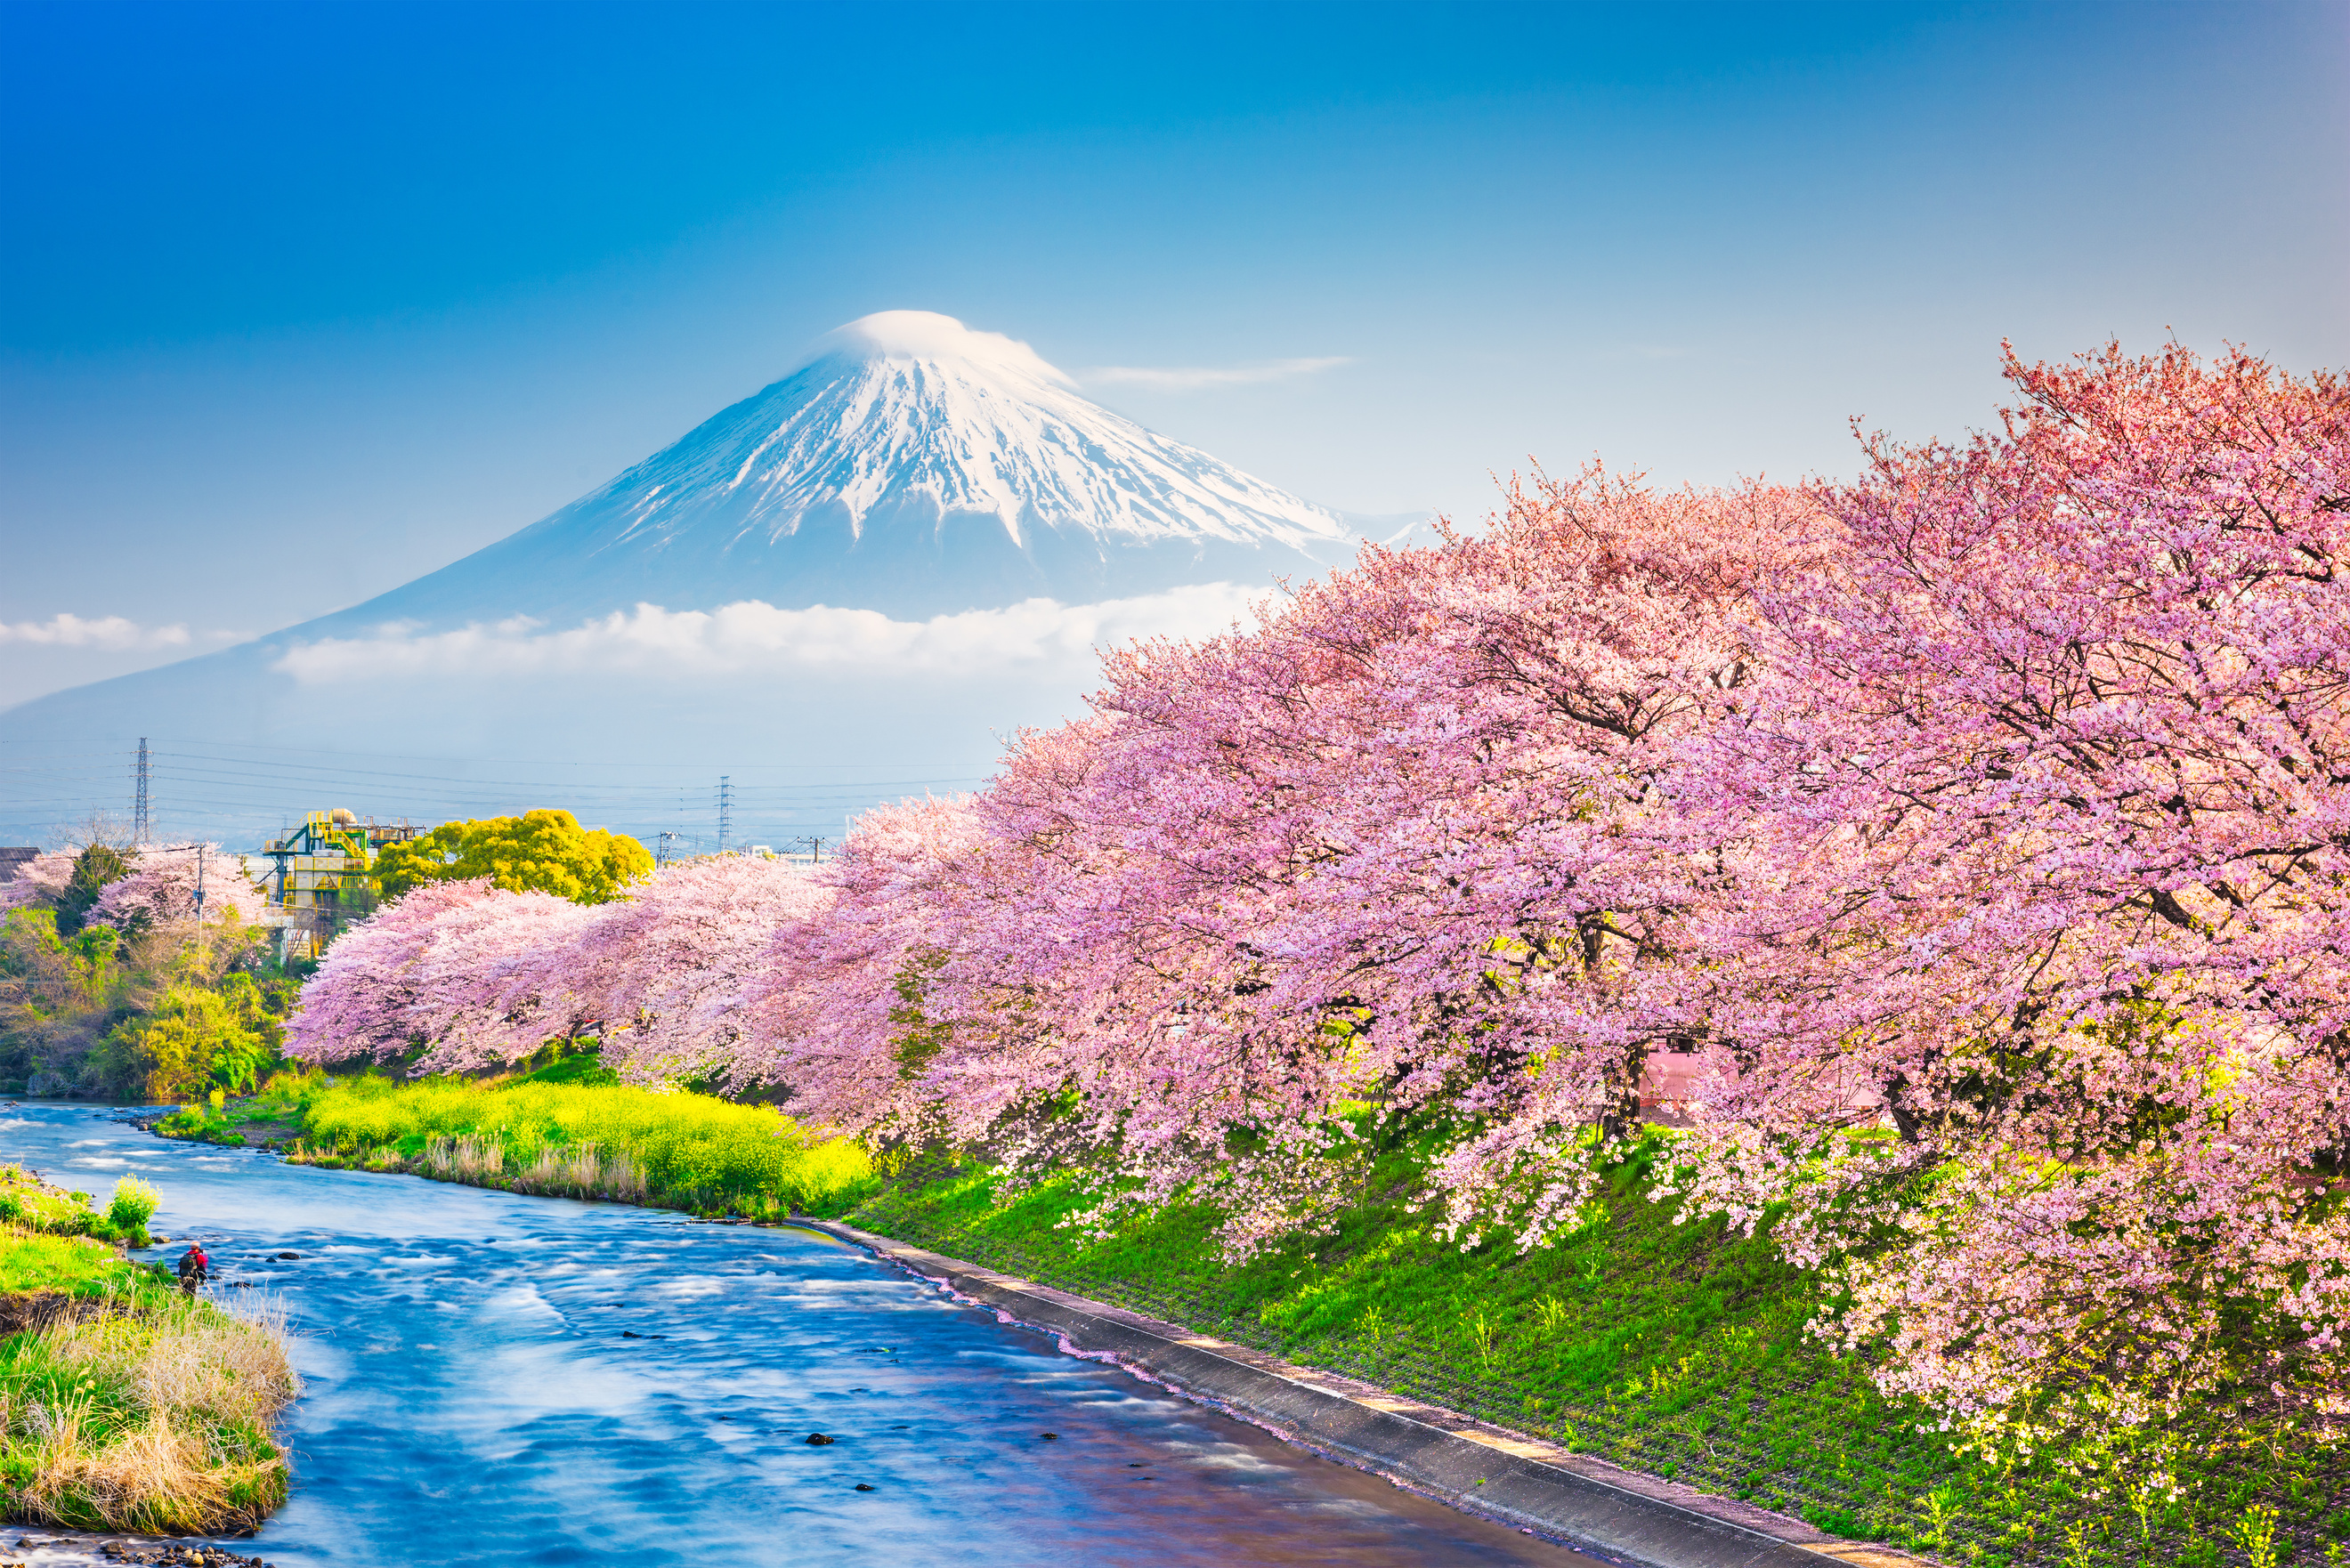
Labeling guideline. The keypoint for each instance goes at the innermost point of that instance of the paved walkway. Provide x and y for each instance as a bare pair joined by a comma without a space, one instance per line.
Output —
1637,1520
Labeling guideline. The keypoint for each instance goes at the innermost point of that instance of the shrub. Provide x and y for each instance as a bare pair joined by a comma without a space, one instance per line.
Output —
134,1204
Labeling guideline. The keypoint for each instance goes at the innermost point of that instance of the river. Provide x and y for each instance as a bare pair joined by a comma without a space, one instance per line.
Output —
502,1380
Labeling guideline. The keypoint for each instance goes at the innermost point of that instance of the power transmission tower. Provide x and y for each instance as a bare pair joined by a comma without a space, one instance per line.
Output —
139,803
726,812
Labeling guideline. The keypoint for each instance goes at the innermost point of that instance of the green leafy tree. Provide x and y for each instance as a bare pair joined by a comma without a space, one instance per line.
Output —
195,1038
43,972
94,868
539,851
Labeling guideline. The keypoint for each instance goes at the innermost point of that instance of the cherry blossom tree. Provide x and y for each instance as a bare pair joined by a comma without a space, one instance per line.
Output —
462,973
162,886
2040,858
835,1009
495,981
668,967
361,1003
469,976
41,880
1392,850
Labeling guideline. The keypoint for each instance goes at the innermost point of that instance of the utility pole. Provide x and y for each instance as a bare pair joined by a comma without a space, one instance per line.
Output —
139,803
200,941
667,837
726,812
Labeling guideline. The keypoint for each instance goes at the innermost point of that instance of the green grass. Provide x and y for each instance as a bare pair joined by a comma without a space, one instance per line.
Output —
584,1068
678,1150
130,1406
1675,1350
31,1205
69,1265
279,1102
153,1414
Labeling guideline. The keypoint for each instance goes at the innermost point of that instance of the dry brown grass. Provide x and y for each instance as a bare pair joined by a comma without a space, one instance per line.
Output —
583,1171
464,1158
151,1415
576,1170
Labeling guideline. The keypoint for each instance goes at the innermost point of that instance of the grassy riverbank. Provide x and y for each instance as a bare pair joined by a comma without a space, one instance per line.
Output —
549,1132
1675,1350
123,1403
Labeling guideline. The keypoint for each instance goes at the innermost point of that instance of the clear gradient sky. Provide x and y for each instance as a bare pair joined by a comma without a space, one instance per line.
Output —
303,301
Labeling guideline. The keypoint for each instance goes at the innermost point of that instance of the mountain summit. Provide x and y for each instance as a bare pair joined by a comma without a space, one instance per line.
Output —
908,464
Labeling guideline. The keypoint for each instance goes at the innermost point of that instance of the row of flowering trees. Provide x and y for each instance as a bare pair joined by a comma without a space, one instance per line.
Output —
139,889
1980,826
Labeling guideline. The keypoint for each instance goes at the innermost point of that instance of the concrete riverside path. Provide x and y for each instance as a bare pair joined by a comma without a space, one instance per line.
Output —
1596,1507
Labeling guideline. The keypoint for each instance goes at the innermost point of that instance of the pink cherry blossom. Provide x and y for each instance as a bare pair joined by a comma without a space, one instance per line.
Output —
161,888
2036,848
473,977
39,880
670,966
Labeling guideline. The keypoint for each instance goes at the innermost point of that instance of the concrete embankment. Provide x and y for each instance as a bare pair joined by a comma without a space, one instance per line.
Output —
1633,1519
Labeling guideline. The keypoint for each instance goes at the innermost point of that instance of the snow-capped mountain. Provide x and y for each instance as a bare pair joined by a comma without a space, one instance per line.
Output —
907,463
902,551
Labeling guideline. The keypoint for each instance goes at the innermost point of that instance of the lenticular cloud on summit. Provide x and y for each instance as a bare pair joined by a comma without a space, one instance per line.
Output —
904,549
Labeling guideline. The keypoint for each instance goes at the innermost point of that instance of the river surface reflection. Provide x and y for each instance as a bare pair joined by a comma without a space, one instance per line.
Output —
497,1379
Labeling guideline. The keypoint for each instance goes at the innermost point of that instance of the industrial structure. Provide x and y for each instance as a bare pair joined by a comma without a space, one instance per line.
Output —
320,882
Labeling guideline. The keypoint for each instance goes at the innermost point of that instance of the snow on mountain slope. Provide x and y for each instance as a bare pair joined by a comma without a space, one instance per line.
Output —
911,410
908,464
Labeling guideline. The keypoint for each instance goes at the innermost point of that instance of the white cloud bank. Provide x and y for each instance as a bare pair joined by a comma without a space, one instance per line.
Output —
753,636
1193,379
112,633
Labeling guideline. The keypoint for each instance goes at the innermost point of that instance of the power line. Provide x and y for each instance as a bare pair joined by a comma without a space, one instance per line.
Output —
248,747
281,769
42,791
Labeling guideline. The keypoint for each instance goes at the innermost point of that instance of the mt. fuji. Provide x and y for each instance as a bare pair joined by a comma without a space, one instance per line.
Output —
908,464
903,550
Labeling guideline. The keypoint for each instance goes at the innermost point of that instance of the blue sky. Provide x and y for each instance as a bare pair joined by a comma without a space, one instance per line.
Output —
300,302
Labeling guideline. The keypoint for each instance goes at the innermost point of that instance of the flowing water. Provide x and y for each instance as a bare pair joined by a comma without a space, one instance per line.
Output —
496,1380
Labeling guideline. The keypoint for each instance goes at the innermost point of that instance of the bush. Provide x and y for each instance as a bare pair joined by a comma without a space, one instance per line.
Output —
1836,1521
152,1017
134,1204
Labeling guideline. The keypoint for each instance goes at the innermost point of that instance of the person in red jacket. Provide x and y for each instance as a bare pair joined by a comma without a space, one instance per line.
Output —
194,1267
